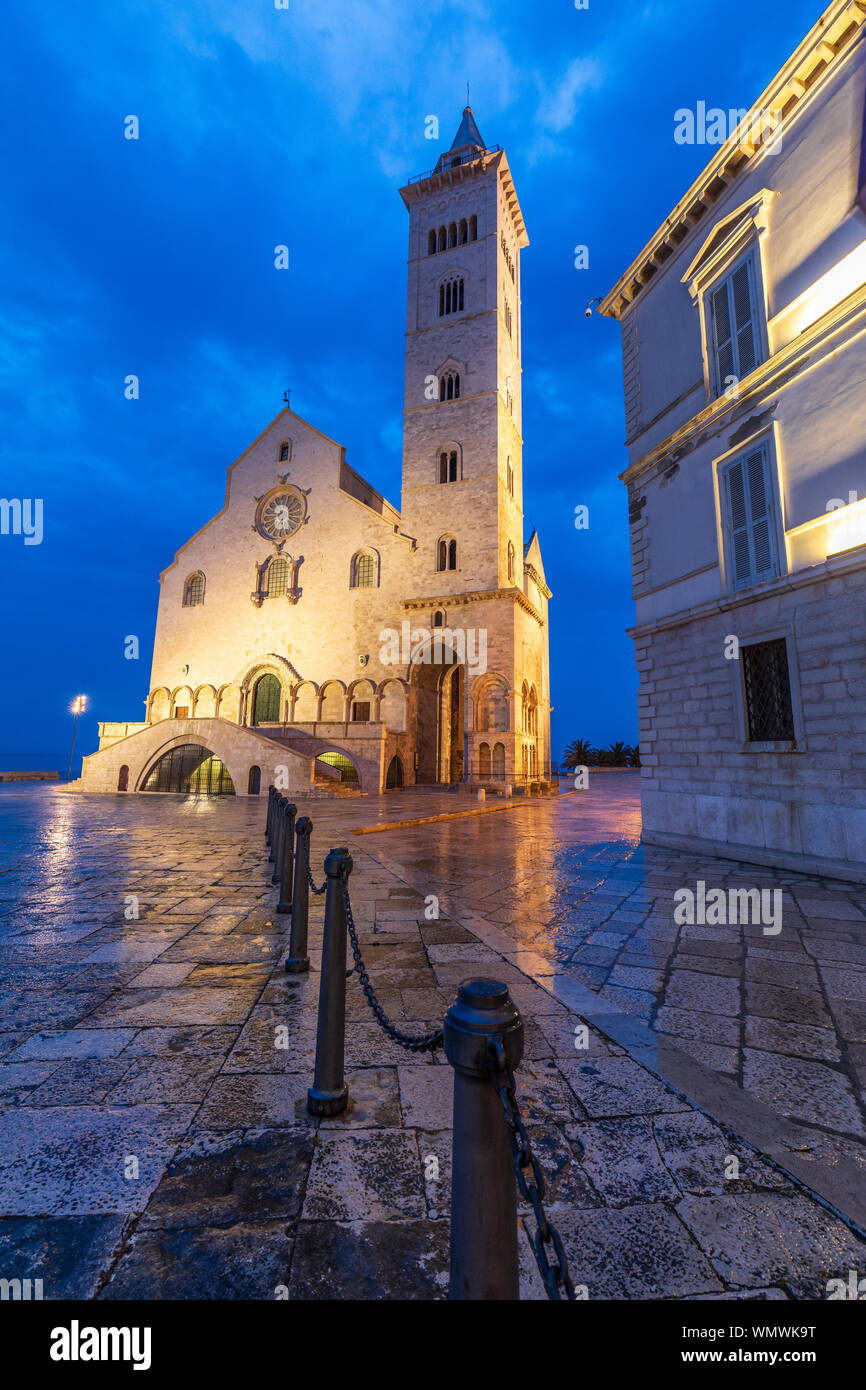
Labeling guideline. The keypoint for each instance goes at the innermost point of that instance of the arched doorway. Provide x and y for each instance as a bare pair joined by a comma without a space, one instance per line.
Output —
337,768
394,777
439,720
266,700
254,781
192,769
123,779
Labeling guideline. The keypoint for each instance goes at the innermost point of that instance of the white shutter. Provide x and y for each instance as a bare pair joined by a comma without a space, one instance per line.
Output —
744,318
722,338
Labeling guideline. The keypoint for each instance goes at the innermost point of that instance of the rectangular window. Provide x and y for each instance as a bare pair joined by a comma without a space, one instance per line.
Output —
361,712
733,330
767,688
749,523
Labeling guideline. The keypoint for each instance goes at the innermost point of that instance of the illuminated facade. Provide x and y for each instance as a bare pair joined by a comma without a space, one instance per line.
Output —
744,353
311,630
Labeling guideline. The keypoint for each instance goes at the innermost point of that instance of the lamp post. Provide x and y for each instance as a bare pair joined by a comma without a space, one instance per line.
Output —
77,707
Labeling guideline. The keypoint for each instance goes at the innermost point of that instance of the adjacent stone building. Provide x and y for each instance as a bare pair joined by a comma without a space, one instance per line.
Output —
744,346
313,632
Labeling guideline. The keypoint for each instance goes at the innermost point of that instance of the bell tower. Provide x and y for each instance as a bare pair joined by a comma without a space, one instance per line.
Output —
462,444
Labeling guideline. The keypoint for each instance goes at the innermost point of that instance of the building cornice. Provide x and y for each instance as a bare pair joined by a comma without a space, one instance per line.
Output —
845,562
821,52
475,596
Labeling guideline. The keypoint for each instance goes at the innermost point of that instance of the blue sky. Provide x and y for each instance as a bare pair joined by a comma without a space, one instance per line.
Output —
155,257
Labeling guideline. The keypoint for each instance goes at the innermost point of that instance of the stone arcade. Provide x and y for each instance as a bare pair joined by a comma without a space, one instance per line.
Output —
278,633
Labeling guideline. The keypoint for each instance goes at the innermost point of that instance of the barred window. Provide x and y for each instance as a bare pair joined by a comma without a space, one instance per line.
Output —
767,686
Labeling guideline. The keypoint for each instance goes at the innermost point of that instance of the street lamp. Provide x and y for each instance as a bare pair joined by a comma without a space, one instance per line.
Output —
78,706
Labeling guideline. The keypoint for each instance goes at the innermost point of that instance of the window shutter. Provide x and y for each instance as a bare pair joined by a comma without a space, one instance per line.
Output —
723,338
739,524
744,318
759,508
750,519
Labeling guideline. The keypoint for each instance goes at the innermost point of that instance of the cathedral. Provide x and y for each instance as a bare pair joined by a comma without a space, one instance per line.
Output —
312,634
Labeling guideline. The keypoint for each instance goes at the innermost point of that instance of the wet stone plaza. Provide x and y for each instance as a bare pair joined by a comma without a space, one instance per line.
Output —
707,1142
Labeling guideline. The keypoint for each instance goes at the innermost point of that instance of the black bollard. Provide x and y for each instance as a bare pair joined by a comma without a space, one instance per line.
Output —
279,830
285,864
329,1093
483,1182
269,818
298,962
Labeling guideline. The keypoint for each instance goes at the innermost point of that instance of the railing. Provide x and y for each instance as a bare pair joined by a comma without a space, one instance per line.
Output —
482,1036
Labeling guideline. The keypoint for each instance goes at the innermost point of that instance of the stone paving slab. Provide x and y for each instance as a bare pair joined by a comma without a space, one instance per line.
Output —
202,1076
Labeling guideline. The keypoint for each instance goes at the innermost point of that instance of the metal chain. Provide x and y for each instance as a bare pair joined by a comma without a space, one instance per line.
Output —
427,1042
316,890
557,1280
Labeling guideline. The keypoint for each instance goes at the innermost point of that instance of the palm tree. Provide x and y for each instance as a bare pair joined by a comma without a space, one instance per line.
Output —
618,754
634,756
577,754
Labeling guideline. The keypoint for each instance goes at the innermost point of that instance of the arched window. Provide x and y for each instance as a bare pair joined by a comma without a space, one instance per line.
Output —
193,590
443,239
473,228
431,242
277,577
451,297
509,476
510,561
192,769
448,472
449,386
463,236
266,700
284,451
452,234
362,572
394,778
499,760
484,760
254,781
446,554
438,618
123,779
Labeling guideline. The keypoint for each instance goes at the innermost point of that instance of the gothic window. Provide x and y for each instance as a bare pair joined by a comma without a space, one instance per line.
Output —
277,578
363,571
463,235
448,466
449,386
473,228
452,234
509,476
431,242
446,556
450,297
443,239
510,562
284,451
193,590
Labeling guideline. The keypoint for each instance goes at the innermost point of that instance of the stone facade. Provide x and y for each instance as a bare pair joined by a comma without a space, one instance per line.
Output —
301,609
747,483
